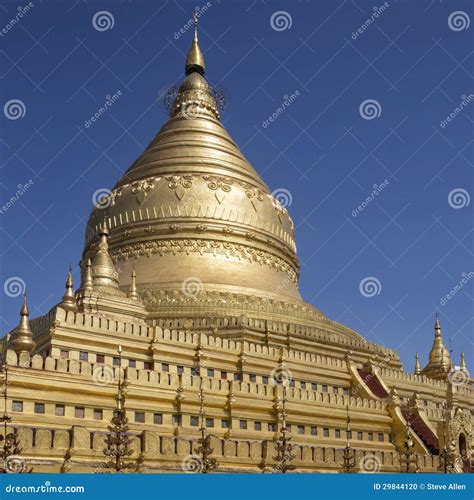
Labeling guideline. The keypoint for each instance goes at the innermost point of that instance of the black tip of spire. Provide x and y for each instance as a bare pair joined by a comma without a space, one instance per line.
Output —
194,68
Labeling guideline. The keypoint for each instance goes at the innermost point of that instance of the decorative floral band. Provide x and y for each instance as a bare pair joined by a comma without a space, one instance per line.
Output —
214,247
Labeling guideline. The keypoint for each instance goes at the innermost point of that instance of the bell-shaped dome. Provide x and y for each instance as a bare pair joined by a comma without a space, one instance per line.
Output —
191,209
197,227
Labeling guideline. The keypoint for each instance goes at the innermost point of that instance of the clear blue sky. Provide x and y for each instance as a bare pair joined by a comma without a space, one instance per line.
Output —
415,60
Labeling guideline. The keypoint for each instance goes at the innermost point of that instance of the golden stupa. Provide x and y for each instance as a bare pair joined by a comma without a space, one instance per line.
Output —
192,206
198,225
189,323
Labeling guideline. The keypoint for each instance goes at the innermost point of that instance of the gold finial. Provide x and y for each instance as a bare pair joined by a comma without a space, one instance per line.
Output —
120,384
24,311
133,291
348,454
439,362
68,301
103,269
348,424
195,59
88,281
23,336
103,230
195,17
417,365
437,327
463,366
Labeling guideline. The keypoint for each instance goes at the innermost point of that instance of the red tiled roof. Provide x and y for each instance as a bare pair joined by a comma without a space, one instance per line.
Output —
373,383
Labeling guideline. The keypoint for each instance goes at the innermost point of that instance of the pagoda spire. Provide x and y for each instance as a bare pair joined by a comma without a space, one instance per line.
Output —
88,284
133,291
68,301
437,326
348,454
462,366
285,450
195,59
417,365
103,269
439,363
23,336
206,462
117,440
